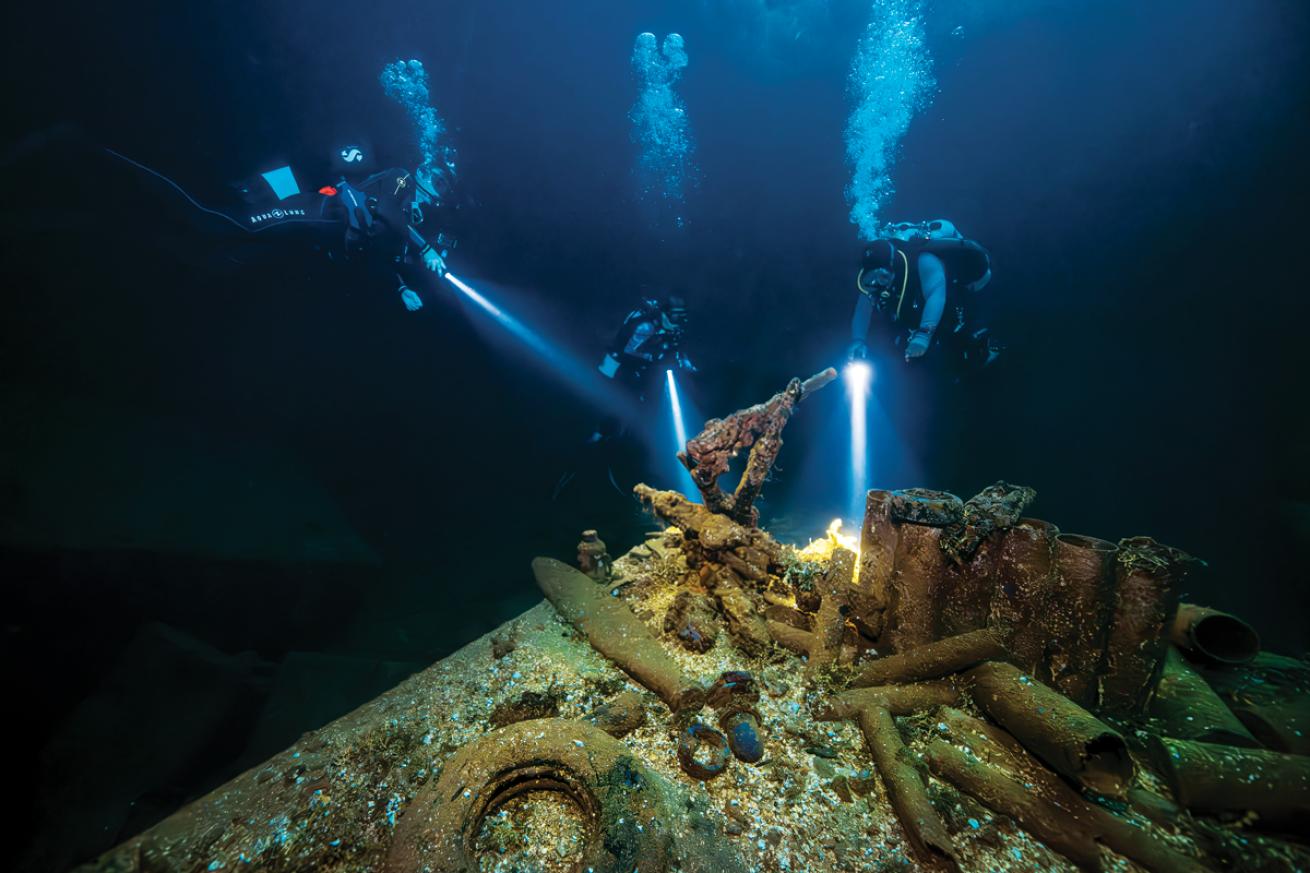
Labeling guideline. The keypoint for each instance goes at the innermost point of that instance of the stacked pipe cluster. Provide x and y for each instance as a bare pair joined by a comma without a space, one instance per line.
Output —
1082,614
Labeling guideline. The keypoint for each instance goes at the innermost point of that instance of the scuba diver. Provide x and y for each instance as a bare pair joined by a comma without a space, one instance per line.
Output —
650,337
651,334
387,217
384,220
918,267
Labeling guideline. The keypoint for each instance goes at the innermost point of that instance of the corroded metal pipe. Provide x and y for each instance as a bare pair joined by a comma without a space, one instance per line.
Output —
1187,708
830,623
1067,737
1048,805
1206,776
1079,615
965,591
919,564
896,699
871,595
1022,594
1148,576
616,633
1216,636
948,655
1070,836
905,788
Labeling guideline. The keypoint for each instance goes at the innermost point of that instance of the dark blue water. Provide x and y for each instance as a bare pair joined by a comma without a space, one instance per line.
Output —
1135,170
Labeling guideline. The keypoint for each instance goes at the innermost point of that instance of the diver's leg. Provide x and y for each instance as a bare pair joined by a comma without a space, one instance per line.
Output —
932,278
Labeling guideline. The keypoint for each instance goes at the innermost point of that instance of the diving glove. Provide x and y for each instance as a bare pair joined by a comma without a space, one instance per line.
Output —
857,351
411,299
918,345
433,260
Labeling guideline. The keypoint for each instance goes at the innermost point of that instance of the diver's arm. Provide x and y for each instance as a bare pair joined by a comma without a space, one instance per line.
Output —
434,258
860,322
932,278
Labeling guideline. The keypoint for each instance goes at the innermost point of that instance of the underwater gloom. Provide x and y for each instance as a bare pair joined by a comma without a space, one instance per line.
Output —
672,436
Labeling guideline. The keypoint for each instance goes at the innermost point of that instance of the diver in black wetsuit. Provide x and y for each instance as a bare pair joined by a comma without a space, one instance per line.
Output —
922,267
651,334
388,217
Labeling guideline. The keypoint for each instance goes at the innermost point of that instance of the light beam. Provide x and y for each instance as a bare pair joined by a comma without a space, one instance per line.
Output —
858,376
581,377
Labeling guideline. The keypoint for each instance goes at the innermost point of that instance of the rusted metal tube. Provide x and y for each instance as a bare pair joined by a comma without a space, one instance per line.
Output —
1056,828
965,591
616,633
1054,804
1022,593
1271,697
1215,636
1078,620
896,699
1187,708
872,593
919,565
905,787
1067,737
830,622
949,655
1148,576
1206,776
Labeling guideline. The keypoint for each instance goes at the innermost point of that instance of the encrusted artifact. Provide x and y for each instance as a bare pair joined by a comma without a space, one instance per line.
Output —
593,558
1067,737
830,620
905,785
1148,576
616,633
1271,696
938,658
993,509
1187,708
757,428
1215,636
896,699
618,799
1206,776
695,737
1080,614
998,771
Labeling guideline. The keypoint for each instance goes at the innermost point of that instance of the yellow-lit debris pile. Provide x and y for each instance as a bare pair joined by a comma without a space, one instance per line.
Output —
965,688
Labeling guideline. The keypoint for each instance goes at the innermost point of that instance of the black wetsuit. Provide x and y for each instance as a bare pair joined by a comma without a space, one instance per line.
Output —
643,340
383,222
966,262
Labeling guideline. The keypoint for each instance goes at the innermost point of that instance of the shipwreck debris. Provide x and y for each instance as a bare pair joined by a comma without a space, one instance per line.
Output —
1207,776
616,633
1187,708
1148,577
1067,737
931,660
593,558
617,798
905,787
1214,636
1080,614
757,428
695,737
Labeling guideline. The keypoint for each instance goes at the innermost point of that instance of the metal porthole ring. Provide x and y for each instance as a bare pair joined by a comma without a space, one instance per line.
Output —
626,823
